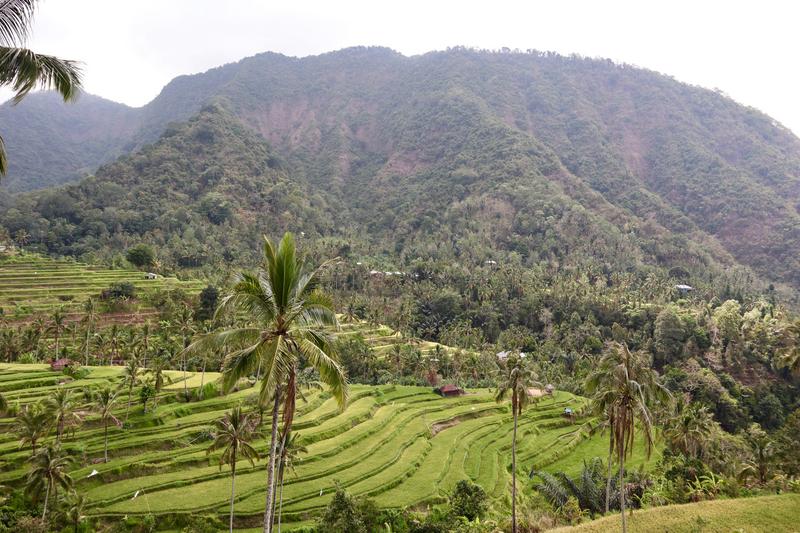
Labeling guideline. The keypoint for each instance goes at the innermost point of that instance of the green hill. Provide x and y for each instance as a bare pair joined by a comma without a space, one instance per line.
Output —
399,445
551,157
765,514
31,284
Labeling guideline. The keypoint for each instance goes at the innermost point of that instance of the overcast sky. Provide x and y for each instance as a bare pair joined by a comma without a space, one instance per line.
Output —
132,48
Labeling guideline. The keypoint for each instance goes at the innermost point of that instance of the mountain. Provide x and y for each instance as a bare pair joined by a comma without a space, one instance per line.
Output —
52,143
459,153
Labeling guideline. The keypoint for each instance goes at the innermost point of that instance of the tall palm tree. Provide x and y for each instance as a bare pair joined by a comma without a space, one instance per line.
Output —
158,365
90,314
48,472
32,424
61,408
114,339
25,70
131,377
285,314
233,434
515,379
56,327
624,389
688,429
141,341
105,400
290,450
789,354
76,509
184,326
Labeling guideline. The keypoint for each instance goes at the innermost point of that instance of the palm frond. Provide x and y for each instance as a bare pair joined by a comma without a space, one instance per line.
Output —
15,19
25,70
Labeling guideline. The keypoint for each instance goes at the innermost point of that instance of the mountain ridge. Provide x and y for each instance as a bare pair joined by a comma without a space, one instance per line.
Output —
367,125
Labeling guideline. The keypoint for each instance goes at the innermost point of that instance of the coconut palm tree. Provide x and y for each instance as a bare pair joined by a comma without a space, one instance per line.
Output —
689,428
184,326
131,377
233,434
90,314
76,509
25,70
141,342
516,378
105,400
56,327
158,365
290,450
285,314
61,408
48,472
32,424
789,355
624,389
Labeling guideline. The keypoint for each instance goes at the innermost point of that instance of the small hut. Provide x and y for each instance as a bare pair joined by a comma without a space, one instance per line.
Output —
447,391
60,364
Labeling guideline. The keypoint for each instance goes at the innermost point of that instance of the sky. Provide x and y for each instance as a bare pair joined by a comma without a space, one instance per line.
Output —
130,49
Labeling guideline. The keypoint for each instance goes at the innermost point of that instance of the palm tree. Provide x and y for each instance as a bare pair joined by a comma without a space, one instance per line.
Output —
157,367
789,355
290,449
25,70
688,429
57,325
76,507
32,424
516,378
90,314
285,314
105,400
3,404
48,471
113,341
184,325
60,406
233,434
141,341
131,377
624,388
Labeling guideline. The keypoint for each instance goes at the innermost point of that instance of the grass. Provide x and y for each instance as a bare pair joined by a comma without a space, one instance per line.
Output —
766,514
400,445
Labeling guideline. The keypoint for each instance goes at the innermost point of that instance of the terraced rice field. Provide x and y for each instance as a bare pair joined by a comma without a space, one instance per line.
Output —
32,284
402,446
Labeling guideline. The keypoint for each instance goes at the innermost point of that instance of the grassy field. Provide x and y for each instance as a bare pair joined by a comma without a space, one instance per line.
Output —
767,514
31,284
400,445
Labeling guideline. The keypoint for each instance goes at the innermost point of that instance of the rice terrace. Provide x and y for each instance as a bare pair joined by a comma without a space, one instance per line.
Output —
420,267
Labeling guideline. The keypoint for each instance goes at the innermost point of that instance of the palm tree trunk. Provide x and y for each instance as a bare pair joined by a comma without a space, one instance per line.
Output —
56,335
622,489
203,374
46,498
608,478
128,409
185,390
280,506
86,357
105,441
514,476
271,465
233,487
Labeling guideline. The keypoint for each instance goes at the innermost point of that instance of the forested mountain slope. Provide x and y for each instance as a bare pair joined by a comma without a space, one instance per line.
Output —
472,152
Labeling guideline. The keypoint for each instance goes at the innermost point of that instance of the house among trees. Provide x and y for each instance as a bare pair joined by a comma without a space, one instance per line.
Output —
150,275
60,364
683,289
449,390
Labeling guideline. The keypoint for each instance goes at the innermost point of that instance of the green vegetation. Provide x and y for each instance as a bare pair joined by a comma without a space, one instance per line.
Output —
752,515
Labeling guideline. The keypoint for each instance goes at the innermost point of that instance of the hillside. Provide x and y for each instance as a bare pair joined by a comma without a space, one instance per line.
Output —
549,156
749,515
54,143
400,445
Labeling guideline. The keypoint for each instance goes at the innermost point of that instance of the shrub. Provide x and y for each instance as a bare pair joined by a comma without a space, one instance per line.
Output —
124,290
141,255
468,500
